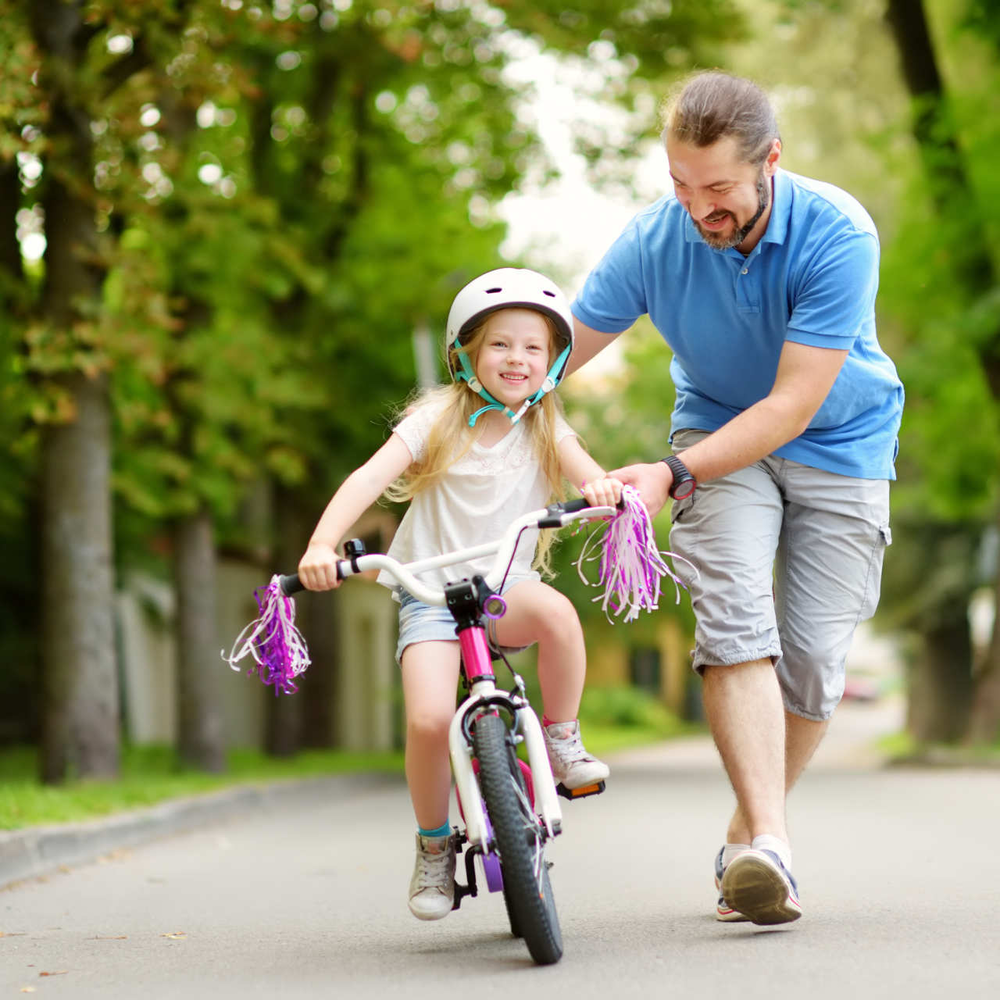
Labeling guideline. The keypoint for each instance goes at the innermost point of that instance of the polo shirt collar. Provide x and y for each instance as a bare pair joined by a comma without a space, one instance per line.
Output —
777,225
781,209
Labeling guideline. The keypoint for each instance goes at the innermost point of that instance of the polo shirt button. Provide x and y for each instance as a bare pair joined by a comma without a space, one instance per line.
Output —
744,271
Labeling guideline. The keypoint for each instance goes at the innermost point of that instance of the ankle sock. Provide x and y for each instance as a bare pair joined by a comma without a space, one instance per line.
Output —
441,831
767,842
729,851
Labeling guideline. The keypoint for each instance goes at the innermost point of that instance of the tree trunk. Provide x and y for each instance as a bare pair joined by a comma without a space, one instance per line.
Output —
940,687
81,713
200,738
320,726
984,722
949,183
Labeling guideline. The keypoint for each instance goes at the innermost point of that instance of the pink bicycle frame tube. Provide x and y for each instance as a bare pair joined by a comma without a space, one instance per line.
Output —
475,653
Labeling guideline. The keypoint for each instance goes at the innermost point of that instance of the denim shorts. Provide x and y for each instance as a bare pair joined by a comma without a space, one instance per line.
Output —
789,562
419,622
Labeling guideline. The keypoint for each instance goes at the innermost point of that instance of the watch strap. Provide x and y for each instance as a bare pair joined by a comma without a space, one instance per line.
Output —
684,483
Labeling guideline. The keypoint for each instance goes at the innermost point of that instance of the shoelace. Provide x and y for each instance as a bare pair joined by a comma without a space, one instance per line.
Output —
569,749
434,870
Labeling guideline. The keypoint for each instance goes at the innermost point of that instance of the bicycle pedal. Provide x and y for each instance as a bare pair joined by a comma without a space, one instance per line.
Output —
580,793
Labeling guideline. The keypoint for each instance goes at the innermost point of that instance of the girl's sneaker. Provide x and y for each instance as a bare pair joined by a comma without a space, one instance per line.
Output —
432,888
572,766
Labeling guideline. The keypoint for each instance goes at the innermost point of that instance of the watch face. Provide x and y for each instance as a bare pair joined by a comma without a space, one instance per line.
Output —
684,489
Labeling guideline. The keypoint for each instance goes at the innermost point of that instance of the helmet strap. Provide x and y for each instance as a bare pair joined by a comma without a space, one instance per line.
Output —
551,381
468,376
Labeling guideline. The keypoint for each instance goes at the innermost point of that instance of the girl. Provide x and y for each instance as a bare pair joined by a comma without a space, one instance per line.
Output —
472,456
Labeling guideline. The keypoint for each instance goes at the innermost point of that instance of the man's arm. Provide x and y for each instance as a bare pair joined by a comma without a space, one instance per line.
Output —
804,379
588,343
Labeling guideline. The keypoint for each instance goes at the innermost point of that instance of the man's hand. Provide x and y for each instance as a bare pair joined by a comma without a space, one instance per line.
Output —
653,481
318,567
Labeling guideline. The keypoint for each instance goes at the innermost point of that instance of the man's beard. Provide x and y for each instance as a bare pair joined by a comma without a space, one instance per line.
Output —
718,241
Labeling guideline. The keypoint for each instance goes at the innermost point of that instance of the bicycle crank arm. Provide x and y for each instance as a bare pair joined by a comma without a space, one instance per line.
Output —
470,888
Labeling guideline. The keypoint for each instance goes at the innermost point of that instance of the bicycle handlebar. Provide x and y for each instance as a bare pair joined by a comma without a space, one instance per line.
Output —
556,515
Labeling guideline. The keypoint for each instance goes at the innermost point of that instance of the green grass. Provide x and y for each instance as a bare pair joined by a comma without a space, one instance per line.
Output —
902,748
150,774
613,719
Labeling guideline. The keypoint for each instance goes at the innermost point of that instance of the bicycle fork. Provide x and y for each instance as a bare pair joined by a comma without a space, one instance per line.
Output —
478,834
484,694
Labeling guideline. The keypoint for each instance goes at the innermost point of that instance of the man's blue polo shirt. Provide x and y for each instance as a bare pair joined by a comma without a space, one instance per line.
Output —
811,279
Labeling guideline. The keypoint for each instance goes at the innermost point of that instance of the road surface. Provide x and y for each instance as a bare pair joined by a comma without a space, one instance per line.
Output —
898,870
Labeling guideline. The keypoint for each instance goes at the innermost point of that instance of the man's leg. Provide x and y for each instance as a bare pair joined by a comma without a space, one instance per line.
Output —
802,737
745,714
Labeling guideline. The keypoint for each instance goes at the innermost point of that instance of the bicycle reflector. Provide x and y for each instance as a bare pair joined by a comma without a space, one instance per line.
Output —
494,607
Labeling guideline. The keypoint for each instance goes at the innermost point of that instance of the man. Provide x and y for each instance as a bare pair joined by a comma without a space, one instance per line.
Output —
784,434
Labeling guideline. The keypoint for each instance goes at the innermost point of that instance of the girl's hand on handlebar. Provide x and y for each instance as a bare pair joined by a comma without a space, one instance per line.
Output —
318,567
604,492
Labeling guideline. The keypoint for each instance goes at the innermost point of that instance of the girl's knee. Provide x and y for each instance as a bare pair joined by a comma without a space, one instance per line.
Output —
428,726
550,607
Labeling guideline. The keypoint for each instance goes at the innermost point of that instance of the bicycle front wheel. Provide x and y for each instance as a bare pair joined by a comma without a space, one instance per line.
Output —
520,841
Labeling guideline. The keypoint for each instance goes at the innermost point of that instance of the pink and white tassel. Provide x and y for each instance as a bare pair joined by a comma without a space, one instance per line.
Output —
630,563
278,650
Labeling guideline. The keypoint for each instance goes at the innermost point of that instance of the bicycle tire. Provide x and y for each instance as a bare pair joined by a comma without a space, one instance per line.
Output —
519,839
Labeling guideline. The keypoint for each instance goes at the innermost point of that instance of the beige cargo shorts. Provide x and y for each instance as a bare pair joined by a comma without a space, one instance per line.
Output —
789,561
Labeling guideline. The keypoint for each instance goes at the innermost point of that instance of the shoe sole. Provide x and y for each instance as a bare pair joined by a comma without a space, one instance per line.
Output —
756,889
724,913
727,916
435,913
586,780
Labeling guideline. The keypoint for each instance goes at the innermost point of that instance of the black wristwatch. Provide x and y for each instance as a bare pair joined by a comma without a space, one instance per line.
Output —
684,483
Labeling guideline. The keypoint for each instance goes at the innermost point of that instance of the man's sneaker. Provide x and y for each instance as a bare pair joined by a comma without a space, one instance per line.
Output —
757,884
572,766
723,911
432,888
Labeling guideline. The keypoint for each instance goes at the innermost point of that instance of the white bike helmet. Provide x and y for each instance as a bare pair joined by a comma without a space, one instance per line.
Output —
508,288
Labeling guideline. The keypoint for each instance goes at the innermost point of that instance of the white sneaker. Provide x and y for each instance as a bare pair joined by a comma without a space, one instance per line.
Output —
572,766
758,885
432,888
723,911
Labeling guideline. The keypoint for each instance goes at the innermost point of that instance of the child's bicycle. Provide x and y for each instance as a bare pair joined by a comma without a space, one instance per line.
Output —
510,809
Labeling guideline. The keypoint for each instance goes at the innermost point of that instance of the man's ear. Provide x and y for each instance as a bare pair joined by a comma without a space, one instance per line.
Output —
773,156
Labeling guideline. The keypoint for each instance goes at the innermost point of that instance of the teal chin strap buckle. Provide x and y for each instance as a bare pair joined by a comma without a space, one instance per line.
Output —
469,376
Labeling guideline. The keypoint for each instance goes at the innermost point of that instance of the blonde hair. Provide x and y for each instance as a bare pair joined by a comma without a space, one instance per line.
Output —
451,437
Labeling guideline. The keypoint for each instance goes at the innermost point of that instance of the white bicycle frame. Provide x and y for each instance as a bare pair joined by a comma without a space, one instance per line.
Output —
484,691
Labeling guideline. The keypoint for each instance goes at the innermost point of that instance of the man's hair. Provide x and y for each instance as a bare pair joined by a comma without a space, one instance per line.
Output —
713,105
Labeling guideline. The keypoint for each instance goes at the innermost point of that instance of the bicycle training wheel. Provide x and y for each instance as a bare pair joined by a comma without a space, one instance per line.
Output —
520,842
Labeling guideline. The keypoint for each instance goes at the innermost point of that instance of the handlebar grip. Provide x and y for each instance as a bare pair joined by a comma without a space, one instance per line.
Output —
571,506
291,584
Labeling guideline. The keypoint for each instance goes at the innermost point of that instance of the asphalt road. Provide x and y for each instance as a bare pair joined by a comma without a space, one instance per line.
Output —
898,870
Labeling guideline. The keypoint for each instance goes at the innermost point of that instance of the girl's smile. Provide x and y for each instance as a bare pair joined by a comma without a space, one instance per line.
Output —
514,357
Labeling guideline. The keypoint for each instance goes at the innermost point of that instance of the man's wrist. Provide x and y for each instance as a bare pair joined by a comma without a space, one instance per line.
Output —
684,483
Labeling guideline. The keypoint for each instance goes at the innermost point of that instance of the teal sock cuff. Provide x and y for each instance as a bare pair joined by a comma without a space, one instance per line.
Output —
441,831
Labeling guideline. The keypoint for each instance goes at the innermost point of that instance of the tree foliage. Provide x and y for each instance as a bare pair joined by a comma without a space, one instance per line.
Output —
223,220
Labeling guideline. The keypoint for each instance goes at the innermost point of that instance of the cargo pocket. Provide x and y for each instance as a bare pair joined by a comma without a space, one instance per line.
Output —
873,586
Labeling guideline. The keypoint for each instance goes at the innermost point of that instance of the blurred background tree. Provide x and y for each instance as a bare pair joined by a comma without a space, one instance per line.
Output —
222,222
